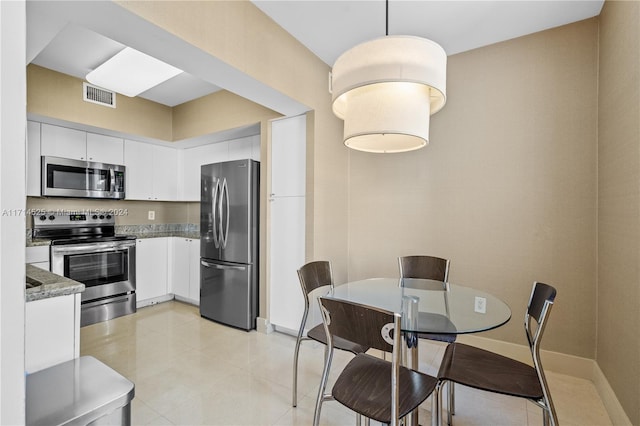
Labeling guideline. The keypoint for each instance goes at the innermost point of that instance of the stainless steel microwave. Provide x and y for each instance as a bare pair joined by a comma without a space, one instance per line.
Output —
64,177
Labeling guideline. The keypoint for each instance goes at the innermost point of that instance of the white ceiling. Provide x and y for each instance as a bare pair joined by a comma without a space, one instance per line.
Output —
75,37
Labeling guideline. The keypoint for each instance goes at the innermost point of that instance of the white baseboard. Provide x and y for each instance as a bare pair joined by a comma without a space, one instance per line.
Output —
186,300
264,326
584,368
609,399
153,301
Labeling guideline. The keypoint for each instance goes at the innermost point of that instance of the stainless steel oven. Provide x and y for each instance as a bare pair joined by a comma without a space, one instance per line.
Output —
85,248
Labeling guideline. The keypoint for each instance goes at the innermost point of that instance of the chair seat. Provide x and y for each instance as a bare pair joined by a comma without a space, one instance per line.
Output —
374,374
318,334
489,371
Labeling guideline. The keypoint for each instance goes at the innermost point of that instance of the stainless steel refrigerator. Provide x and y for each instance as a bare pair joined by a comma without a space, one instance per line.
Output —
229,207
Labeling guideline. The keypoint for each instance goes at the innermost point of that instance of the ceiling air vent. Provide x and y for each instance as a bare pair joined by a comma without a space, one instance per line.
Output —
96,95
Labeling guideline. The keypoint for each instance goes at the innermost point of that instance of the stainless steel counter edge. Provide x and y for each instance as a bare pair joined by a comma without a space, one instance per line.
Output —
51,285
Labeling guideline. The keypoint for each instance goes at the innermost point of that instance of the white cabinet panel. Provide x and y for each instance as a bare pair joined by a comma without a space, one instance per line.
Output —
193,159
194,270
151,171
180,267
52,331
288,152
185,274
287,253
33,159
63,142
240,149
105,149
137,159
151,269
165,173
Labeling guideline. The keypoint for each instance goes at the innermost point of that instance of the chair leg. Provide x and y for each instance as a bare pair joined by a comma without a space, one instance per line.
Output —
452,399
328,356
294,398
436,405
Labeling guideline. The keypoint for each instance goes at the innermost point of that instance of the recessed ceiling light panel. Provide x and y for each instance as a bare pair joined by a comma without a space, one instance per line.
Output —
131,72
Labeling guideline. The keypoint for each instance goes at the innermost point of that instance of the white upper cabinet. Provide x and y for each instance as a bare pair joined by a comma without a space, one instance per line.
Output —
165,173
33,159
151,172
288,146
63,142
79,145
192,160
105,149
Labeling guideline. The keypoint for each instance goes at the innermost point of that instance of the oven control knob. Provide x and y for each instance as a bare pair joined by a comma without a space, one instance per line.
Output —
101,216
94,217
108,216
43,217
52,217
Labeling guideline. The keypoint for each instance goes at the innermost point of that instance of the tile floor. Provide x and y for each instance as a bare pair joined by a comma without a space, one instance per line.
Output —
190,371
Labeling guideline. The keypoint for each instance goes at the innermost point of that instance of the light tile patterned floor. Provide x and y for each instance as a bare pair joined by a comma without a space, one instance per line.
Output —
190,371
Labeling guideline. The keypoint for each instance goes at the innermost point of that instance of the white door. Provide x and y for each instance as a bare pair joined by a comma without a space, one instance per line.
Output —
151,268
287,213
138,180
105,149
165,172
63,142
194,271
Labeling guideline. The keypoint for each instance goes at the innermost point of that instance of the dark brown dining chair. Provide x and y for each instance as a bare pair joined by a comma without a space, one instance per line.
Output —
427,268
491,372
312,276
374,388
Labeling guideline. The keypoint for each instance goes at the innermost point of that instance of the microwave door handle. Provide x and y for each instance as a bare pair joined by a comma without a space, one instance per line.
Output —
112,175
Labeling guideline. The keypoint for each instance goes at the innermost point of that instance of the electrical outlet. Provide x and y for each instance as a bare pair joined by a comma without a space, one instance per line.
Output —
480,305
152,215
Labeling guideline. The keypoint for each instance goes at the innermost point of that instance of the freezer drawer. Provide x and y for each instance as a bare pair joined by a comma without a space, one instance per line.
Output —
229,293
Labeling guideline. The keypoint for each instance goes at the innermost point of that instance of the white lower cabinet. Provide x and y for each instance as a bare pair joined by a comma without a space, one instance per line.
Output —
152,271
185,270
52,331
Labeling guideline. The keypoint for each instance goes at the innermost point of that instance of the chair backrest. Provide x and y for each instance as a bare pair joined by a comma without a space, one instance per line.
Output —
313,275
362,324
367,326
424,267
539,307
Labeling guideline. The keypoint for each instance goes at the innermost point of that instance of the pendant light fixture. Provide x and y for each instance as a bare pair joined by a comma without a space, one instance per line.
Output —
386,89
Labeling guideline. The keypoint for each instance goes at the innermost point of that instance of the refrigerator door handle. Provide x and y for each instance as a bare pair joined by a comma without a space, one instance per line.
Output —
225,198
218,266
219,224
216,237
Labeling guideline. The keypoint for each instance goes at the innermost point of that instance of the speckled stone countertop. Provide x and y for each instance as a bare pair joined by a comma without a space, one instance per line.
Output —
52,285
181,230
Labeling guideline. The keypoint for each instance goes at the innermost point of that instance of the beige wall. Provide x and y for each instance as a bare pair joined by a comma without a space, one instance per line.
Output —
216,112
57,95
506,188
239,34
618,347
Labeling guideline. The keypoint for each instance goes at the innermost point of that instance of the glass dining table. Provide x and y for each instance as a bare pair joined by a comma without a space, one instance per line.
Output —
442,308
427,306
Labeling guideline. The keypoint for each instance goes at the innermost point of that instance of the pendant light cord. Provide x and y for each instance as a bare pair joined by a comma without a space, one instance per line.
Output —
387,17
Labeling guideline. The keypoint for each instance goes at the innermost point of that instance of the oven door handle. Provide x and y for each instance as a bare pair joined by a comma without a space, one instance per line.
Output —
98,248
